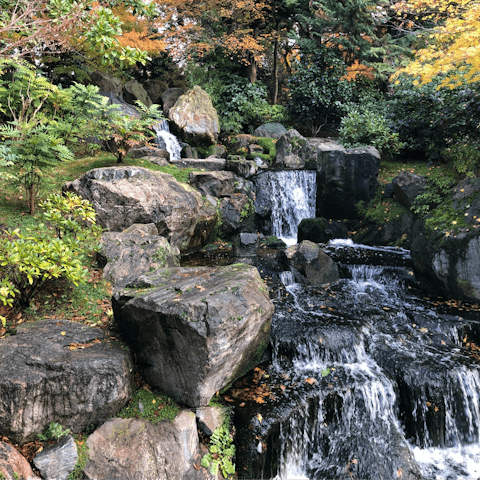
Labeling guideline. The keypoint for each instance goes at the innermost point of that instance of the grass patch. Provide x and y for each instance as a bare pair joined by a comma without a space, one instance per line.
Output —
82,450
181,175
150,406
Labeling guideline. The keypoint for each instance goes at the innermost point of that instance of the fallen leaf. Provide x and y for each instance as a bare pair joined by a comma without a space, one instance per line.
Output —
311,380
259,417
63,333
283,388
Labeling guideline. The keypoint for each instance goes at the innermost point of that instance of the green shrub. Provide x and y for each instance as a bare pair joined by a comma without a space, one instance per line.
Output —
30,259
464,159
362,127
221,452
55,431
429,120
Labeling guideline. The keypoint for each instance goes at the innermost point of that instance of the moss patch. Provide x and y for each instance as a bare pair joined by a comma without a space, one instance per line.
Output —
150,406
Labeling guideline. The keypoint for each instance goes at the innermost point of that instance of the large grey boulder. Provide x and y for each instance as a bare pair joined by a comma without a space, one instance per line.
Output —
270,130
56,462
122,196
241,166
129,449
129,255
60,371
407,187
309,260
447,261
344,178
195,330
195,118
295,152
11,462
212,164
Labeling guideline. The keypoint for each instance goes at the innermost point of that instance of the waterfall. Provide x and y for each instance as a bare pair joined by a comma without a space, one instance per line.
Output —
167,140
371,381
291,196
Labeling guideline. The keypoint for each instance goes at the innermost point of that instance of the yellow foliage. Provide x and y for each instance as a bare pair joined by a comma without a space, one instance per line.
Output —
453,46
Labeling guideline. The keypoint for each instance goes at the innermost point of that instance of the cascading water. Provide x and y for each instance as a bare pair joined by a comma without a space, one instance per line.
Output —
366,381
291,195
167,140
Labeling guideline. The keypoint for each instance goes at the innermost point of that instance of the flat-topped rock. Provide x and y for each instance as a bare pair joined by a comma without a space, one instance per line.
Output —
122,196
195,330
211,164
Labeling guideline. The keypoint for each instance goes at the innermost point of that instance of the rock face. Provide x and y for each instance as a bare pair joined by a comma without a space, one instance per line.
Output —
320,230
129,449
133,91
407,186
195,330
241,166
450,264
345,177
56,462
129,255
271,130
169,98
309,260
122,196
11,462
195,118
142,152
218,184
42,380
295,152
107,83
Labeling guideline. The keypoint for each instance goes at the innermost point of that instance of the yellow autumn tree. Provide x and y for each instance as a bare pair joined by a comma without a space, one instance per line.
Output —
452,44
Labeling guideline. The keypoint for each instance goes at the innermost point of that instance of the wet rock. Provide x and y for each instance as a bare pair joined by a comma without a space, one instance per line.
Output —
295,152
321,230
122,196
241,166
195,118
270,130
311,262
133,91
407,187
211,418
129,255
195,330
56,462
246,244
43,380
237,214
344,178
255,149
449,264
11,463
129,449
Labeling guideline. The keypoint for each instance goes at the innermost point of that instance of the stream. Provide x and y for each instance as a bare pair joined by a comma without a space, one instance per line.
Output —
366,378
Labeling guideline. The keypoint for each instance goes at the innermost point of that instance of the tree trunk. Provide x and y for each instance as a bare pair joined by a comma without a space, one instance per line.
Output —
275,70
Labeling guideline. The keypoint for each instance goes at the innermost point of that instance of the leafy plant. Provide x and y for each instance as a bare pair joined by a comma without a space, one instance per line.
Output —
29,260
464,158
82,450
55,431
362,127
437,190
221,452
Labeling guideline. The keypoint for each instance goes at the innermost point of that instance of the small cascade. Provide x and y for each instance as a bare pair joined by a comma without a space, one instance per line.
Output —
370,381
292,196
167,140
